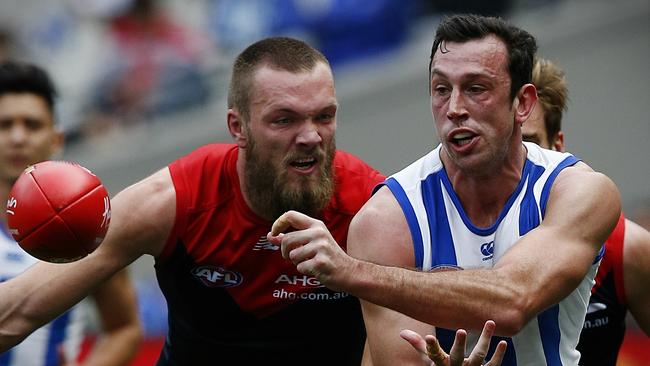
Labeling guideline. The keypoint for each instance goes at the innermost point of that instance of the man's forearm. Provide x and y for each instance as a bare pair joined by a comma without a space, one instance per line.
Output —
447,299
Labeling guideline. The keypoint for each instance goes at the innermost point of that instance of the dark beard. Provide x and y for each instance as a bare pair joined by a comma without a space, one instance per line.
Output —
270,195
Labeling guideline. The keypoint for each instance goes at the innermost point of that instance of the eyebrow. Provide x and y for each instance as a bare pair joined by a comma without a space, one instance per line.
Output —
293,111
471,75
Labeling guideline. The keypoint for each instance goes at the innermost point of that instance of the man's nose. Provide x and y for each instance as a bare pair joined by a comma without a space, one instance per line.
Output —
456,107
18,133
309,133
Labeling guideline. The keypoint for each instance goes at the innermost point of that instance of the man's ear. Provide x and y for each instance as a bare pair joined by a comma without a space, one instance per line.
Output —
236,127
525,103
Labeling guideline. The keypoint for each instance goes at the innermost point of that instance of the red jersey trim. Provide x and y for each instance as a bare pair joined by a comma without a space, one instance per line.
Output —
613,260
182,201
615,244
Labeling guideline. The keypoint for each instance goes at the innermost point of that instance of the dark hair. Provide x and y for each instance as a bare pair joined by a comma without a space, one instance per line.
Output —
552,95
282,53
520,44
22,77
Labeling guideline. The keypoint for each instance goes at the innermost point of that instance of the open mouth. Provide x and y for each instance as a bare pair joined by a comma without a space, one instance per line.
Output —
462,139
303,163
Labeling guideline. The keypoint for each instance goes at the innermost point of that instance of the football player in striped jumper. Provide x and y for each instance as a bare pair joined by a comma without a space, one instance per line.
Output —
482,227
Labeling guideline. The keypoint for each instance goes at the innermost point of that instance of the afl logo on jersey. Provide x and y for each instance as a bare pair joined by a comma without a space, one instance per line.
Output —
213,276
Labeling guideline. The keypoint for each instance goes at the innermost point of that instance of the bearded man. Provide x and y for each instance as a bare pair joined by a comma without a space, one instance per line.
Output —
232,298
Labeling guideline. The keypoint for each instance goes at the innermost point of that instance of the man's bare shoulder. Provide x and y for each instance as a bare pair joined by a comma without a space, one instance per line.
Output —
143,213
581,179
584,203
379,232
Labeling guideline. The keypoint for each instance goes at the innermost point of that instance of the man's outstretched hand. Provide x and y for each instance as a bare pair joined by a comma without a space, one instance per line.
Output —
430,349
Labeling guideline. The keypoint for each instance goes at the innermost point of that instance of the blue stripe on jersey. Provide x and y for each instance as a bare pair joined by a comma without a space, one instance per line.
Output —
600,255
57,335
442,244
504,211
529,209
546,191
549,331
5,358
411,218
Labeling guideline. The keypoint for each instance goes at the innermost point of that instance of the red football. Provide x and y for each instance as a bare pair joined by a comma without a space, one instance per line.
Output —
58,211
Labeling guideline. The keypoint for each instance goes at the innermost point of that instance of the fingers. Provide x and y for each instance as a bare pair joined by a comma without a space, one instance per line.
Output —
498,355
288,220
415,340
293,244
457,352
480,350
434,351
301,235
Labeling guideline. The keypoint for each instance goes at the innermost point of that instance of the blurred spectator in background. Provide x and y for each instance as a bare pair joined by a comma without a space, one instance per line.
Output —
155,66
343,29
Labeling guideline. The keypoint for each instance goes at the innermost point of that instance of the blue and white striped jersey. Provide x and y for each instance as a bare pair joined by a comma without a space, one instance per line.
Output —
41,347
443,236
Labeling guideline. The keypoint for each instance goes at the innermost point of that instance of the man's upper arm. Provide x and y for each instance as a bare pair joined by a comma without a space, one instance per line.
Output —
143,216
379,234
636,273
582,210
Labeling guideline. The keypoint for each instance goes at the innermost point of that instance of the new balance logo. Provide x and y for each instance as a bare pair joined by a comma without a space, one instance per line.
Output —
264,244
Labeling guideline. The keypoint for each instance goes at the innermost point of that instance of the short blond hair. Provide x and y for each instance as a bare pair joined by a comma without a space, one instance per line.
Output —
552,95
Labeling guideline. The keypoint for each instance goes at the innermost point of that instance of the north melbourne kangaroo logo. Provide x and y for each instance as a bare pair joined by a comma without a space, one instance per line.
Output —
487,249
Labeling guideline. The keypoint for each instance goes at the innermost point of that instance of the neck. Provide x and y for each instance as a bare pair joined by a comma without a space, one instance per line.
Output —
483,196
241,176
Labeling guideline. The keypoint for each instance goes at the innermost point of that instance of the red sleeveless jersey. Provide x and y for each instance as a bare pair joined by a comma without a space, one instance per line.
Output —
604,327
231,295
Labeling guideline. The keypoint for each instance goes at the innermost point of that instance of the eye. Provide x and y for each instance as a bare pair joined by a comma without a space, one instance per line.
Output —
476,89
5,124
325,117
441,90
34,124
282,121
